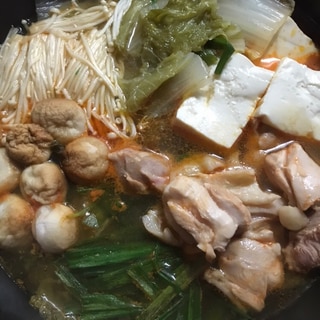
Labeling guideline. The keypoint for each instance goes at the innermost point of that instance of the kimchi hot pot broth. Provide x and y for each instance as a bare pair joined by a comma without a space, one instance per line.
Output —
160,159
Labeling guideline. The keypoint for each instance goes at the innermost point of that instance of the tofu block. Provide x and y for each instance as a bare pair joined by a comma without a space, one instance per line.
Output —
291,42
292,101
220,113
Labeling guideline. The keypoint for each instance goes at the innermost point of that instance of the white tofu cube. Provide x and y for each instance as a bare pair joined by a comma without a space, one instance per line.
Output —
220,113
291,42
292,101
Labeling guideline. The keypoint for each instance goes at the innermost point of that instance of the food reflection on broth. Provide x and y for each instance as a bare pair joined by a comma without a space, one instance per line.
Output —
118,164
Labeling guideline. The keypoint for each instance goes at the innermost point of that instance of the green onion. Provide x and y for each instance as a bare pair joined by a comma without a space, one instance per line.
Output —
103,315
186,306
69,280
107,278
93,302
106,306
151,274
208,56
184,274
93,255
142,275
221,43
194,302
173,311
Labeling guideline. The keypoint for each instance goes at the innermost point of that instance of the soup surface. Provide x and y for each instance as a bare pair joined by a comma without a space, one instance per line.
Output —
140,241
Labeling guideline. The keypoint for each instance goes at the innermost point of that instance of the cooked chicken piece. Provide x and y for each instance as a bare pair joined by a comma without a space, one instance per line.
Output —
16,216
9,173
303,251
230,203
265,230
86,160
260,230
242,182
28,144
198,163
211,216
155,223
141,171
64,119
296,174
43,183
249,268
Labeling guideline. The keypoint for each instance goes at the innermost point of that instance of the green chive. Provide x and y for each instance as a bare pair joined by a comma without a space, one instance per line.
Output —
221,43
94,255
184,274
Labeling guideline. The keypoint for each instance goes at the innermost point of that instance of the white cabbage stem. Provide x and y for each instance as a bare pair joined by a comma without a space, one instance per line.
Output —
259,20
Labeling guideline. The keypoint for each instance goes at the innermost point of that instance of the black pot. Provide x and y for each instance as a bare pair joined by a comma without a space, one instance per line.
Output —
14,302
12,12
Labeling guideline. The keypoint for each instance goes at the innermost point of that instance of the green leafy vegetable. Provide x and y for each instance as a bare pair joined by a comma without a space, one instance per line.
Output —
155,40
140,274
220,43
95,254
180,85
194,302
140,87
154,282
185,274
106,306
182,25
209,56
70,280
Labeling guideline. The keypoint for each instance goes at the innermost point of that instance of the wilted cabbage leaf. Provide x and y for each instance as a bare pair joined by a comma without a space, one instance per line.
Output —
155,37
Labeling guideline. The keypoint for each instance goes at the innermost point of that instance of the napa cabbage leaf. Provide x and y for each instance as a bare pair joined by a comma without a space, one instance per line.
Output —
155,37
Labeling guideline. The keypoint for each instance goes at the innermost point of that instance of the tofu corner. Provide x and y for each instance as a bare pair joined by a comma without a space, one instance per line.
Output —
292,101
220,113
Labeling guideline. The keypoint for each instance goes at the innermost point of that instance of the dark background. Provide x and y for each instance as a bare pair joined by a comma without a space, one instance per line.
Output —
14,302
11,13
